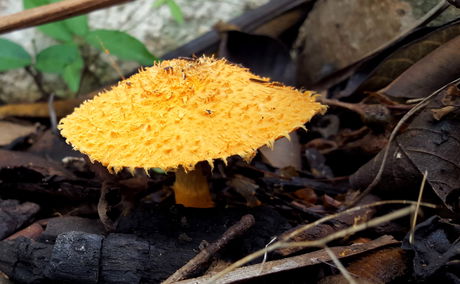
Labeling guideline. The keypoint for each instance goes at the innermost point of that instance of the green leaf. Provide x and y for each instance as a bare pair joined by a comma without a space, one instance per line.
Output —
72,75
55,58
176,11
121,45
12,55
56,30
64,59
61,30
78,25
159,3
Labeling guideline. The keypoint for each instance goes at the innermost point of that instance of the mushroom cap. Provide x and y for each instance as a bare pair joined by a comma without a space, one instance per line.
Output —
180,112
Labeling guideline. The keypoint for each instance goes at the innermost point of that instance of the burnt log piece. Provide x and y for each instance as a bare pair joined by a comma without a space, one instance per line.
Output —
24,260
79,257
13,215
24,172
75,258
150,245
125,258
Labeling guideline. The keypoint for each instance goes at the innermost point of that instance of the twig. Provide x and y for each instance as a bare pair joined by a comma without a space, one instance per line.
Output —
406,117
246,222
340,266
52,12
316,243
417,207
37,77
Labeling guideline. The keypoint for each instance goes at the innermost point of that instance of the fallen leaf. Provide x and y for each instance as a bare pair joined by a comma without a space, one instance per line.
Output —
263,55
10,131
376,74
426,144
437,249
433,71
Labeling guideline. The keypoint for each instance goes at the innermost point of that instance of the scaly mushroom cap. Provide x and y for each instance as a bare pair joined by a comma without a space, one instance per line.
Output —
180,112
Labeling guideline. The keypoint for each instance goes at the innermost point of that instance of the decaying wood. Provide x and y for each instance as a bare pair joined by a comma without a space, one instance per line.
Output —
257,270
43,177
52,12
41,109
246,222
32,231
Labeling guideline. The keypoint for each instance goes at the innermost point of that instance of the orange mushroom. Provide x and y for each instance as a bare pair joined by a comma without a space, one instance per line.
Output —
180,112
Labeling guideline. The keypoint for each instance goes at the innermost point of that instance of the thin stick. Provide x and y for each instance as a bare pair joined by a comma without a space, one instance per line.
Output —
406,117
52,12
417,207
340,266
246,222
317,243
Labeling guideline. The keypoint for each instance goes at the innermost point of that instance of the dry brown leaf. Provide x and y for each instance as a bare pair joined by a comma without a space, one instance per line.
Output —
433,71
369,77
425,145
11,131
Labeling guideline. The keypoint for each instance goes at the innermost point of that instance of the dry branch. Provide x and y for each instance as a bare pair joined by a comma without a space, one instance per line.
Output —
246,222
52,12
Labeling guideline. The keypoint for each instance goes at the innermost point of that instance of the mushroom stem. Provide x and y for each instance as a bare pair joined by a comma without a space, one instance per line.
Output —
191,189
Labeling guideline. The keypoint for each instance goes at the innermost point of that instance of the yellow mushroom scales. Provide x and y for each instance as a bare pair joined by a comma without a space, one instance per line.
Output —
180,112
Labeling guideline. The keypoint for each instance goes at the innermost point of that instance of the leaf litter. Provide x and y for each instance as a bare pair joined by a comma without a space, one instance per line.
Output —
298,190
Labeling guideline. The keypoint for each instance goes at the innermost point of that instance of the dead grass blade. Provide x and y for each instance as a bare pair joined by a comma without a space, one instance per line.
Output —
417,207
340,266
